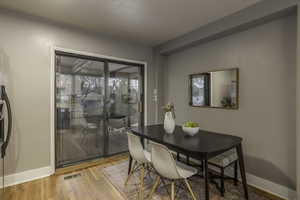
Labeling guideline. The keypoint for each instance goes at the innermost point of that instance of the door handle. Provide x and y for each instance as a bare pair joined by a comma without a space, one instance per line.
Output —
9,116
140,107
1,113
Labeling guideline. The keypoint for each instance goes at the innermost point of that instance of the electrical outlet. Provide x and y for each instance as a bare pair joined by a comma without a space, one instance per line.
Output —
155,96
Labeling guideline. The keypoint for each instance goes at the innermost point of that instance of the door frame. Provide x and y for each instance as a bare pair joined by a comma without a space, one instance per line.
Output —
52,89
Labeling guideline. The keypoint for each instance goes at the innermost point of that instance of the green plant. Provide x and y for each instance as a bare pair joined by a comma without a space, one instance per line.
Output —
227,102
191,124
169,107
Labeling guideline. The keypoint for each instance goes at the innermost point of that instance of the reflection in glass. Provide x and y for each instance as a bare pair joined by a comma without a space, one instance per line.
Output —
79,110
96,103
200,90
124,97
215,89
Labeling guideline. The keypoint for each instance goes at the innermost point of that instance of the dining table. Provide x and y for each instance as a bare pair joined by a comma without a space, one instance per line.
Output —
202,146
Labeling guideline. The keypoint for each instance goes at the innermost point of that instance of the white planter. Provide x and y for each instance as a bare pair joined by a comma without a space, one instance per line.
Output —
191,131
169,123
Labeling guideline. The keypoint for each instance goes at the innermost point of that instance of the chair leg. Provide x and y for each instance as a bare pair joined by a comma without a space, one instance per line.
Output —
131,172
222,182
173,190
156,183
190,189
178,156
141,193
129,164
236,173
164,185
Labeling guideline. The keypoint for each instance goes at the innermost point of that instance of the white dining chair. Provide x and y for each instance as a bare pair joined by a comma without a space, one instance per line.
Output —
141,160
167,168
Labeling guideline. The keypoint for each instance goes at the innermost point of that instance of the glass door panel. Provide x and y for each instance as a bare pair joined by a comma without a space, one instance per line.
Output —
125,107
80,94
97,101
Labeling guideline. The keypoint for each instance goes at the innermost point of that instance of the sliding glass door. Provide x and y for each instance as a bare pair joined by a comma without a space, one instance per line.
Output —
97,100
125,103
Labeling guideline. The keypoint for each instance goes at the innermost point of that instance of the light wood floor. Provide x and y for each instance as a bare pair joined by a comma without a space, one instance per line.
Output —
89,185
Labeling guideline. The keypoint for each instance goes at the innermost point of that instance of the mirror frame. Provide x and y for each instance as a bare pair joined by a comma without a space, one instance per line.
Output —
203,73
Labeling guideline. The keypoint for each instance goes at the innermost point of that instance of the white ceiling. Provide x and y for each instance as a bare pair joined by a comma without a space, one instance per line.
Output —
148,22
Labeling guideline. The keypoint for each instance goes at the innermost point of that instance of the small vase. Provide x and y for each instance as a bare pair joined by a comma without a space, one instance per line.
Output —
169,123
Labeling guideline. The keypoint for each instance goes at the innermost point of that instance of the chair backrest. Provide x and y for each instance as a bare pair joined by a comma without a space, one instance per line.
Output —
136,148
92,107
118,123
163,161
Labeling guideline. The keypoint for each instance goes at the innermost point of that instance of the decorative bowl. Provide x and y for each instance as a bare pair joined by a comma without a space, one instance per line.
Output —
191,131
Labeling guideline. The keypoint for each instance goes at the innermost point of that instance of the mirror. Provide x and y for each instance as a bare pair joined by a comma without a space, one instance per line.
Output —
216,89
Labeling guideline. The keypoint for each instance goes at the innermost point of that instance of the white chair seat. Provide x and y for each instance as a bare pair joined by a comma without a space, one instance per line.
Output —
225,158
147,155
184,170
91,126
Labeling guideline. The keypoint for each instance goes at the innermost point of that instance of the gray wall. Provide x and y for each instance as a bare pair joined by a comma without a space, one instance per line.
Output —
266,57
25,56
298,104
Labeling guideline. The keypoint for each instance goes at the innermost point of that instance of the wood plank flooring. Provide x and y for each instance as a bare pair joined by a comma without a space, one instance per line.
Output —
90,184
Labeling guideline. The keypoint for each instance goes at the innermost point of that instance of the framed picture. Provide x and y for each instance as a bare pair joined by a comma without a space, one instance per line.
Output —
215,89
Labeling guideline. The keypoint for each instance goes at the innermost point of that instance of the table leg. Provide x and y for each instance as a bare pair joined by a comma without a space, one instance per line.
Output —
242,169
206,179
129,165
98,132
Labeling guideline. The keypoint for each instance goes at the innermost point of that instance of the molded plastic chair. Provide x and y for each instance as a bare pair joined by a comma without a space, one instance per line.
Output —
140,159
168,168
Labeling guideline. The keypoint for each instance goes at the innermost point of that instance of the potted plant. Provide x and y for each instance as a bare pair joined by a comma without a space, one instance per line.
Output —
169,121
191,128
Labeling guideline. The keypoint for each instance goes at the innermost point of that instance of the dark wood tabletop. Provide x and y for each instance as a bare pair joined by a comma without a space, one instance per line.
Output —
203,146
204,142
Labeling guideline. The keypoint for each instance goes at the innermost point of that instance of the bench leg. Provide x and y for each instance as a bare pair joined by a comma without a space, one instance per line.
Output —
222,182
236,173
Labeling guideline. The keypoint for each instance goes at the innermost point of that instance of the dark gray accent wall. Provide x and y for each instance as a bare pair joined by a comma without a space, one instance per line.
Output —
266,57
248,18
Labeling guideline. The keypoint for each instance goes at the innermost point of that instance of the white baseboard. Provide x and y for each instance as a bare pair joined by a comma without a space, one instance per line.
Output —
271,187
26,176
263,184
